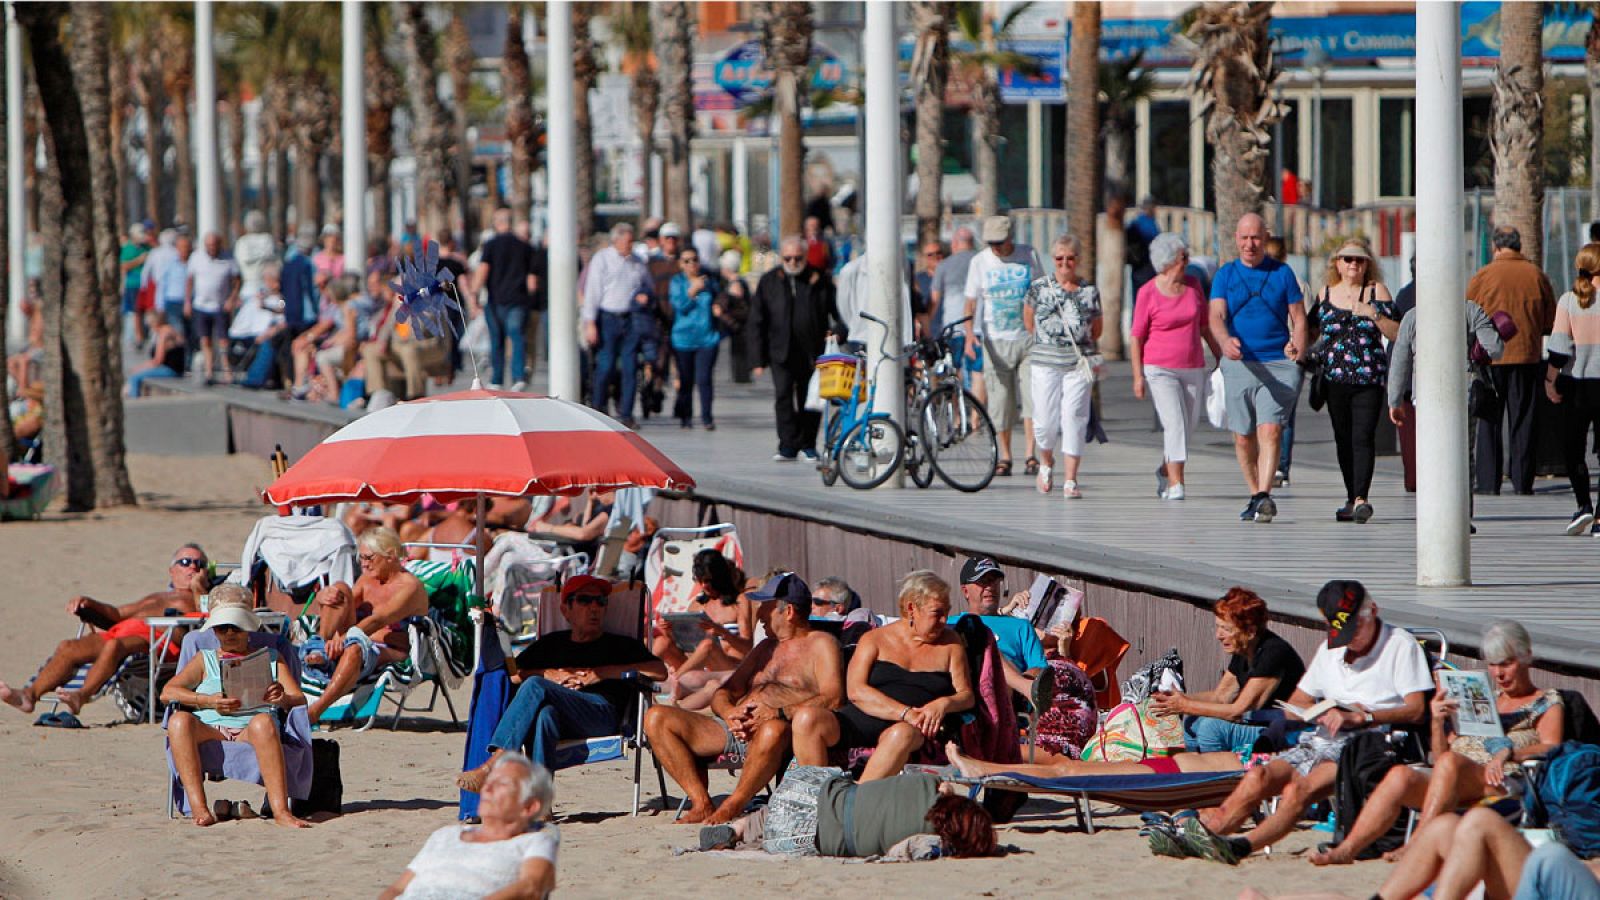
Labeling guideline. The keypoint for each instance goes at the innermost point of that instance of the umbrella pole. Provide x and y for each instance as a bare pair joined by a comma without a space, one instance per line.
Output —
477,578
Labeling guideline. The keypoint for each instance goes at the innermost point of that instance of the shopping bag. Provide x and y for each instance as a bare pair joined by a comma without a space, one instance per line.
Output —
1216,400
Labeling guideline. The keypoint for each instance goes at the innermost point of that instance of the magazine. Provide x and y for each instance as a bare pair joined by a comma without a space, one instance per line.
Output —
247,678
1475,714
686,629
1050,604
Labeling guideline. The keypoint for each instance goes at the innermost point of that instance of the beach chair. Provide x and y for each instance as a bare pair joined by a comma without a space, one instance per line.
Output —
671,554
35,486
223,760
430,662
286,559
129,687
1140,793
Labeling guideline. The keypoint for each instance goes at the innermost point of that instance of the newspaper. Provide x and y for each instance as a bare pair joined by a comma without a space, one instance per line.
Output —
1475,714
1050,604
247,678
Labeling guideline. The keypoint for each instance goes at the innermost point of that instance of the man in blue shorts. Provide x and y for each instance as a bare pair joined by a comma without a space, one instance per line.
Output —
1258,319
982,585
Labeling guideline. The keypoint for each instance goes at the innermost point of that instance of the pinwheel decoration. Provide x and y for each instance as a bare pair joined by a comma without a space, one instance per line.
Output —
424,300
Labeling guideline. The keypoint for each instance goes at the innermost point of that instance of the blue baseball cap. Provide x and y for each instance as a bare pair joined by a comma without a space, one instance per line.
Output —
788,587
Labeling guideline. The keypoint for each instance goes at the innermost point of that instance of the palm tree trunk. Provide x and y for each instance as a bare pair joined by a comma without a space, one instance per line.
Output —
584,72
985,140
236,176
459,60
930,71
1517,134
119,130
8,438
155,114
181,142
675,47
66,426
646,100
1083,134
84,388
308,186
431,134
1591,71
382,90
786,30
517,87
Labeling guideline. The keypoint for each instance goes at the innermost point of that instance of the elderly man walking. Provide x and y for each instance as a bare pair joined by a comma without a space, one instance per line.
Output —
1513,286
793,312
618,284
997,282
1258,320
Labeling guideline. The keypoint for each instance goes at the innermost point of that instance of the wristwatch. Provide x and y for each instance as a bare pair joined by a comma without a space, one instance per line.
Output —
1368,714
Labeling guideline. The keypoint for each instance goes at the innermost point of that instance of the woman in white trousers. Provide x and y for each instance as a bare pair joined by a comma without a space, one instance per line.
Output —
1169,323
1063,315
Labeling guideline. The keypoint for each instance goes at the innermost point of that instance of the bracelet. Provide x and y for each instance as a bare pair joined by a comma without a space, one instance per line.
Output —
905,712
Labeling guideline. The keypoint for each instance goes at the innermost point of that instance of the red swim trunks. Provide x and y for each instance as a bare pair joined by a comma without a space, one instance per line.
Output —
137,628
1161,765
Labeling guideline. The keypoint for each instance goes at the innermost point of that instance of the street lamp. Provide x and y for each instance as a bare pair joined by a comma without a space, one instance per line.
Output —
1277,136
1316,62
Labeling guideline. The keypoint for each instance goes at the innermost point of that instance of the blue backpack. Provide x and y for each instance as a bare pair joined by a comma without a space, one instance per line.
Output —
1565,795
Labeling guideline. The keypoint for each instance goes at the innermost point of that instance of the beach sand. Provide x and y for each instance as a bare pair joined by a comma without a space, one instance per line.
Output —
84,814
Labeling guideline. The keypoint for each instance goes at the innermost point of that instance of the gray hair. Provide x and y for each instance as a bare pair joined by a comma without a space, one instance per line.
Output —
1165,249
1504,640
835,589
196,548
255,220
620,229
964,237
795,239
1507,238
539,783
1067,242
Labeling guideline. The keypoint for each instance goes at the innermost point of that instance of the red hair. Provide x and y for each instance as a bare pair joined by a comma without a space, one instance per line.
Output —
964,828
1243,609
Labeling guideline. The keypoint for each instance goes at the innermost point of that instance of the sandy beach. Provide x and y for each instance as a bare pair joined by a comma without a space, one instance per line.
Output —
84,813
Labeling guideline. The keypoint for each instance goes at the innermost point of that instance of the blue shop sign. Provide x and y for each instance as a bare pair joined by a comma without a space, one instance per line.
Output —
744,73
1046,85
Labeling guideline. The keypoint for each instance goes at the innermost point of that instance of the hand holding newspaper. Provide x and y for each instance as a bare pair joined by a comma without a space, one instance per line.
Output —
1050,604
1475,711
247,678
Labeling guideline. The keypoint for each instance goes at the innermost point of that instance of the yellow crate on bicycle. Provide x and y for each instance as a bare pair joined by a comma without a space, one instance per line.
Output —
836,377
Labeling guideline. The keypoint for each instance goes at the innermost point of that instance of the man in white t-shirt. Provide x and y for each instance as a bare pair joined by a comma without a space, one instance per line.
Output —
1377,674
997,281
213,292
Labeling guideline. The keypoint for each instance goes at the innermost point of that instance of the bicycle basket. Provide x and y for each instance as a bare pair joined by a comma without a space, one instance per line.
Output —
836,377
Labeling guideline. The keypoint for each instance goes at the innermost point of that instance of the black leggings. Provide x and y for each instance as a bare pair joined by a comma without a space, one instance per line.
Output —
1575,424
1354,409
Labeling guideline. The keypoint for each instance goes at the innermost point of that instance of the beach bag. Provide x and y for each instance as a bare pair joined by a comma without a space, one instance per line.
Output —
1216,400
1363,762
1565,795
1164,674
1131,732
327,788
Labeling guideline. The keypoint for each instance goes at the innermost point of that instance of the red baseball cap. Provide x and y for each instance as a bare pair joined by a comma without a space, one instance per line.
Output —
584,584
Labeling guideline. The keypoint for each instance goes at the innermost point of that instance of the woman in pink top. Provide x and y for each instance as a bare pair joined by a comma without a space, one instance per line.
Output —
1169,317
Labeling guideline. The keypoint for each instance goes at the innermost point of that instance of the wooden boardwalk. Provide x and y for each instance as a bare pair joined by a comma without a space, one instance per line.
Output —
1524,566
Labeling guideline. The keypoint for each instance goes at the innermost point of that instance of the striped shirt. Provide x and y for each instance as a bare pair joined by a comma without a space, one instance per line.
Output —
1574,345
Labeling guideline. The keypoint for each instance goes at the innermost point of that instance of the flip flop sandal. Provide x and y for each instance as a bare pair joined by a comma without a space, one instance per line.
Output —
1003,467
1031,466
58,720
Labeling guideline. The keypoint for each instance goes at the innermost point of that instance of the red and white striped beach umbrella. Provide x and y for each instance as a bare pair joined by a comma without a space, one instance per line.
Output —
457,446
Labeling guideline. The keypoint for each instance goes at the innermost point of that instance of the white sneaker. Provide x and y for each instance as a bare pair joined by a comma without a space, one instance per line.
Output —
493,386
1044,482
1175,492
519,387
1069,490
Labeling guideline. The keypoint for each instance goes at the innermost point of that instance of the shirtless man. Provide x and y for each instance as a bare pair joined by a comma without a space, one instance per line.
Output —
358,631
792,668
123,633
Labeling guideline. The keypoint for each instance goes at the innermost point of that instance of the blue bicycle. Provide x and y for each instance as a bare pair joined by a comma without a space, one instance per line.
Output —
861,446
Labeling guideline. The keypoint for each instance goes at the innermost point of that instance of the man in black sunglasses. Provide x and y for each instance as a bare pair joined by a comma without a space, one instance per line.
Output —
793,311
121,632
572,682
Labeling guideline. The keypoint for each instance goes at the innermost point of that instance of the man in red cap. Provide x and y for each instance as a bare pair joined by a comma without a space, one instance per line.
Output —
572,682
1376,674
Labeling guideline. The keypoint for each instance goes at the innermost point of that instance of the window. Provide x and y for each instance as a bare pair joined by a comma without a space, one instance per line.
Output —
1169,152
1397,135
1476,122
1338,158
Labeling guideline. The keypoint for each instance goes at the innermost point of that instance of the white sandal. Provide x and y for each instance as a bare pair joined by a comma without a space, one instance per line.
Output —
1043,480
1069,490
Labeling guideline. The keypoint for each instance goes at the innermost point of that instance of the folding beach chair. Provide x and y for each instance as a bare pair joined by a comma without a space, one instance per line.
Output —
222,760
128,687
670,557
430,661
1141,793
35,487
287,558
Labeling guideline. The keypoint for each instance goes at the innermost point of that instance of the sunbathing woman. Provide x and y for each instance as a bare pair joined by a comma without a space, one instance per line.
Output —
903,680
1473,767
1050,766
219,718
718,593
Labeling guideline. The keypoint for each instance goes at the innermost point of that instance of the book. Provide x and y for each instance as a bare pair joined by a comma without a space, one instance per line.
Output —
686,629
1050,604
247,678
1475,714
1314,711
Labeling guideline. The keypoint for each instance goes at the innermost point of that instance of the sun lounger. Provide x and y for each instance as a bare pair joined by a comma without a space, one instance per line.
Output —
1142,793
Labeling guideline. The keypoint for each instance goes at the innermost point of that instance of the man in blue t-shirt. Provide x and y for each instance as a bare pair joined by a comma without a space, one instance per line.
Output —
1257,317
982,584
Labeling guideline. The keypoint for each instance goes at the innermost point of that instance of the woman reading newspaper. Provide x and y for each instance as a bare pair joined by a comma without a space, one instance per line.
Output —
228,697
1473,751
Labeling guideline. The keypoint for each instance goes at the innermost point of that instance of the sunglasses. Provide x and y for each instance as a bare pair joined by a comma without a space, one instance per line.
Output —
689,259
1066,259
590,600
190,562
369,557
933,253
227,629
793,258
704,598
1353,259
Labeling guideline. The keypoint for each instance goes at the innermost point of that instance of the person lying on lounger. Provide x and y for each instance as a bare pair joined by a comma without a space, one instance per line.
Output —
213,717
122,633
359,627
511,854
819,811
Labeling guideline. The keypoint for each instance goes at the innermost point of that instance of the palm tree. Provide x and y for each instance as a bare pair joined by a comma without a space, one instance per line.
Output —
1083,132
1122,85
8,438
1591,71
979,67
630,25
459,59
430,136
1517,134
517,86
176,31
786,29
382,87
585,69
1234,71
930,70
676,51
83,394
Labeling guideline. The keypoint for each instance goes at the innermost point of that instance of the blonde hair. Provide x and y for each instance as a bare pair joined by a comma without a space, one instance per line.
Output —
1373,276
920,587
230,594
382,540
1588,265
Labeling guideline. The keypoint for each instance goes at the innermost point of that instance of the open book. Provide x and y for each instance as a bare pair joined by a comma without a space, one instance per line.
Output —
1312,712
1050,604
247,678
1475,715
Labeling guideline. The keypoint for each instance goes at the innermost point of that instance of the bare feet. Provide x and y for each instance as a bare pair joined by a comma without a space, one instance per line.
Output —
724,814
1333,856
965,764
204,818
1394,855
697,814
14,697
287,820
472,780
72,700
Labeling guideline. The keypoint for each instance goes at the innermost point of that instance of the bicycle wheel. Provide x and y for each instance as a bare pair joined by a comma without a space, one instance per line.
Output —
959,439
917,464
871,452
826,464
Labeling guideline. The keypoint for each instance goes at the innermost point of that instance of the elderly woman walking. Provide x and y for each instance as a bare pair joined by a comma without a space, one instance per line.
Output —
1169,317
1062,312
